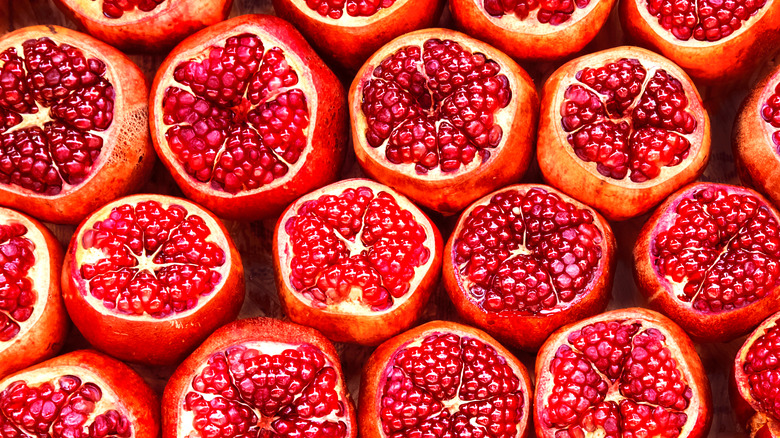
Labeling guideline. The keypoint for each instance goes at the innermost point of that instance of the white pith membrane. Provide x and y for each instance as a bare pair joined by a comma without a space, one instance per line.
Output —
145,262
770,90
531,24
347,20
94,9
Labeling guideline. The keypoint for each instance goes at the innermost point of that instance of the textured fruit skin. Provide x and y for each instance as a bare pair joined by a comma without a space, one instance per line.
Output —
697,379
168,340
562,169
372,380
452,193
155,31
530,332
726,60
328,123
349,45
245,330
127,157
358,329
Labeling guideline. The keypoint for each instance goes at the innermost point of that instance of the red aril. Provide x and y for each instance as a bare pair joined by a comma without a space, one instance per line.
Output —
260,377
446,380
73,124
356,260
709,258
153,268
247,118
527,259
624,373
621,129
442,118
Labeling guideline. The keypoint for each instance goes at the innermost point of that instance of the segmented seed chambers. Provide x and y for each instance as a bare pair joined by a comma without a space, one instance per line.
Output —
770,111
762,366
17,296
704,20
552,12
355,8
117,8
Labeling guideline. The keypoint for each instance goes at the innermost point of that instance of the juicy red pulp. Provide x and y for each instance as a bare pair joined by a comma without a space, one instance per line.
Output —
17,296
553,12
239,119
152,259
79,102
433,106
355,8
117,8
704,20
762,366
329,261
770,111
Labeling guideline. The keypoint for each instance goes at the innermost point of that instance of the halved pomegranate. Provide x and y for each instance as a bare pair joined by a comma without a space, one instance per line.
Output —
73,124
356,260
526,260
709,258
143,26
152,268
79,394
33,322
260,377
621,129
443,379
443,118
247,118
624,373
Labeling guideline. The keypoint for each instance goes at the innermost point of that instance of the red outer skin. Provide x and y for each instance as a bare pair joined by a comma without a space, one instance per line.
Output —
568,38
370,329
529,332
134,394
46,337
348,46
699,385
372,379
156,31
507,163
127,158
702,327
713,63
247,330
328,137
166,341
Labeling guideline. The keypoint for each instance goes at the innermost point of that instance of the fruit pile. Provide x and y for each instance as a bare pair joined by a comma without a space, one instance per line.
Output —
395,218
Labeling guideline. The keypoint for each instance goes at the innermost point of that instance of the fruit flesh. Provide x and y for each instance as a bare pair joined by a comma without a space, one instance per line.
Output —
762,368
706,20
355,8
770,112
117,8
17,296
549,12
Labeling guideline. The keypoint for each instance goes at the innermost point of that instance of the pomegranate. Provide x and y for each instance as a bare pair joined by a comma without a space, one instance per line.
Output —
260,377
446,380
621,129
151,267
73,124
624,373
527,259
33,322
247,118
442,118
709,258
144,25
356,260
347,33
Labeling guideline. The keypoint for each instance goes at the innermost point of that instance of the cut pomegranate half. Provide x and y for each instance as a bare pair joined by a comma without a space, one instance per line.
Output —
151,267
628,372
621,129
442,118
247,118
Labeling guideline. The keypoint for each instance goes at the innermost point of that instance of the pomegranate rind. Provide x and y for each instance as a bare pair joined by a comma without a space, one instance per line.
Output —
166,340
375,373
321,160
680,345
623,199
448,193
370,327
525,331
126,160
252,330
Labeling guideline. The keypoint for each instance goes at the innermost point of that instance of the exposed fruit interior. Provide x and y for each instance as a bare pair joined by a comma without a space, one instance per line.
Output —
553,12
762,367
434,105
451,386
265,390
147,258
616,379
770,111
529,252
704,20
239,116
17,296
720,249
355,8
117,8
54,105
356,249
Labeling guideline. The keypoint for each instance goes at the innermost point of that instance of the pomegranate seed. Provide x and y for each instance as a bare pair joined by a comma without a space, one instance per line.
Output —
355,8
706,20
17,297
763,369
549,11
770,112
117,8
